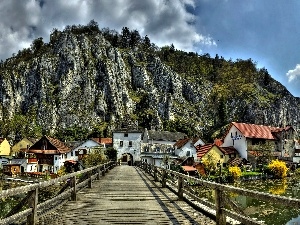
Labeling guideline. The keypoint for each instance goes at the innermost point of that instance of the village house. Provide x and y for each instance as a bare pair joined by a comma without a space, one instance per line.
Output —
4,151
80,150
157,146
18,150
127,142
50,154
246,139
221,154
186,147
15,167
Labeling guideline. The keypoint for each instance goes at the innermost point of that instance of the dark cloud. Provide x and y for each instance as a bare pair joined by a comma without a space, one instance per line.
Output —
164,21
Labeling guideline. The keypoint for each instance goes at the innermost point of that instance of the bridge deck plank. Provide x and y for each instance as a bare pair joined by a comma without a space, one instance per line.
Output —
125,196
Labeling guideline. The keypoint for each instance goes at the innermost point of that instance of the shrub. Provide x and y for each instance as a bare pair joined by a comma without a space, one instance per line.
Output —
278,168
235,172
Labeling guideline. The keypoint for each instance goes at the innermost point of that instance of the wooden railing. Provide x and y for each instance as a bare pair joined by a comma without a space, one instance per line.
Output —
223,208
73,182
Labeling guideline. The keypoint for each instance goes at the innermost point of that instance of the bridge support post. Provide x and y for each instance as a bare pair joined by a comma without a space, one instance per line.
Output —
32,203
155,174
90,179
180,188
73,186
220,216
98,173
164,178
103,171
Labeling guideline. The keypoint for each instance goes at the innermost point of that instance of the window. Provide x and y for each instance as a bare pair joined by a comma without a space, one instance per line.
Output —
126,135
130,144
76,153
221,156
121,143
55,157
71,153
224,164
188,153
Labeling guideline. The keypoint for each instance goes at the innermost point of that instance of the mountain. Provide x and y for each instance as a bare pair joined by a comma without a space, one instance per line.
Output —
88,81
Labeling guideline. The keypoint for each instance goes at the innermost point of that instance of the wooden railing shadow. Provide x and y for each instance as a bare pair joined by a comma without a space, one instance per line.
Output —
223,209
72,183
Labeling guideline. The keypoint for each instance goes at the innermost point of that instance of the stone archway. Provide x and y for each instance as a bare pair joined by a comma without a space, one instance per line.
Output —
127,158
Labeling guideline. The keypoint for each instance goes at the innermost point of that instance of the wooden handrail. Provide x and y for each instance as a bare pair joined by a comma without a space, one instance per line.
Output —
220,189
32,192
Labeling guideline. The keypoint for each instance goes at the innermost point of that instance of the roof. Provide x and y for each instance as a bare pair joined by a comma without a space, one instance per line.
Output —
202,150
181,142
60,147
103,140
255,131
165,135
227,150
189,168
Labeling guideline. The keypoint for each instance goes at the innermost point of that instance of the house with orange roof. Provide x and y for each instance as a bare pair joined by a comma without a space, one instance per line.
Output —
50,155
246,137
222,154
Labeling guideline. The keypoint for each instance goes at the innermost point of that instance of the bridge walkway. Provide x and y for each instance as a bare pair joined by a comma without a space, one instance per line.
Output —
125,196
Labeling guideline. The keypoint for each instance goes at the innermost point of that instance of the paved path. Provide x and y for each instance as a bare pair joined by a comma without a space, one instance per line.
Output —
125,196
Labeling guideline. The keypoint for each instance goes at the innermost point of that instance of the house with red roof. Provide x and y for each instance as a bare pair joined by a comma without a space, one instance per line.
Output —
49,154
246,137
221,154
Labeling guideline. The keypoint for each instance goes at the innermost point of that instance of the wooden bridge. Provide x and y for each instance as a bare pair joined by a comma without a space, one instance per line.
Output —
110,194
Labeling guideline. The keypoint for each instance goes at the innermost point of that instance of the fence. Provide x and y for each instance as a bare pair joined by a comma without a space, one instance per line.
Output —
73,182
178,183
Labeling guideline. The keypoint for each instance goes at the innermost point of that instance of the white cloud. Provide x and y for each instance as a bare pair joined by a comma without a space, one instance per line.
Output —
293,74
164,21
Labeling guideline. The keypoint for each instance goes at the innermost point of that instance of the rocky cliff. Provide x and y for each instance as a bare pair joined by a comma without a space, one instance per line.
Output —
80,79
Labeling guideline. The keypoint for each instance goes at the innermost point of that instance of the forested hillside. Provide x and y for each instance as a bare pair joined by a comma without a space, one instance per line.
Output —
87,80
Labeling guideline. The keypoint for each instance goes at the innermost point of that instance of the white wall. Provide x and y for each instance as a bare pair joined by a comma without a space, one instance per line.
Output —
134,150
88,145
184,149
239,143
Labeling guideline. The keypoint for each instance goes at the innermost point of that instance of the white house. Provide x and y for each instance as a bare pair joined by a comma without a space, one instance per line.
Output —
128,145
159,145
81,149
244,137
187,147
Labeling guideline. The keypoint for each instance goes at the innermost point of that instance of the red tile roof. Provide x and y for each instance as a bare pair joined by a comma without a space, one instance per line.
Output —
202,150
218,142
189,168
103,140
181,142
255,131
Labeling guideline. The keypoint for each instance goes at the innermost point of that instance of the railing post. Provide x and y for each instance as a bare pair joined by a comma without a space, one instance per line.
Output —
155,174
73,186
90,179
164,178
98,173
32,203
103,171
180,188
220,216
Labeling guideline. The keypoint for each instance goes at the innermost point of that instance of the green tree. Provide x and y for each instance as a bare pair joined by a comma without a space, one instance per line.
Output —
97,156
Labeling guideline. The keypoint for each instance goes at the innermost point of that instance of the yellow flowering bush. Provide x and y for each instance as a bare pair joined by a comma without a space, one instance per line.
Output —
278,168
235,171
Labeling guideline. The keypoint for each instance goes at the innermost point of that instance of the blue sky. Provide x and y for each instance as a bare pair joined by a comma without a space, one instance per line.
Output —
264,30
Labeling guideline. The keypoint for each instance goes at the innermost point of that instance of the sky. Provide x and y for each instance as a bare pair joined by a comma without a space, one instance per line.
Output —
267,31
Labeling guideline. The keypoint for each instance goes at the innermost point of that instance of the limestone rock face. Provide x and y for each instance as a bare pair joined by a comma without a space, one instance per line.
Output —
83,80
